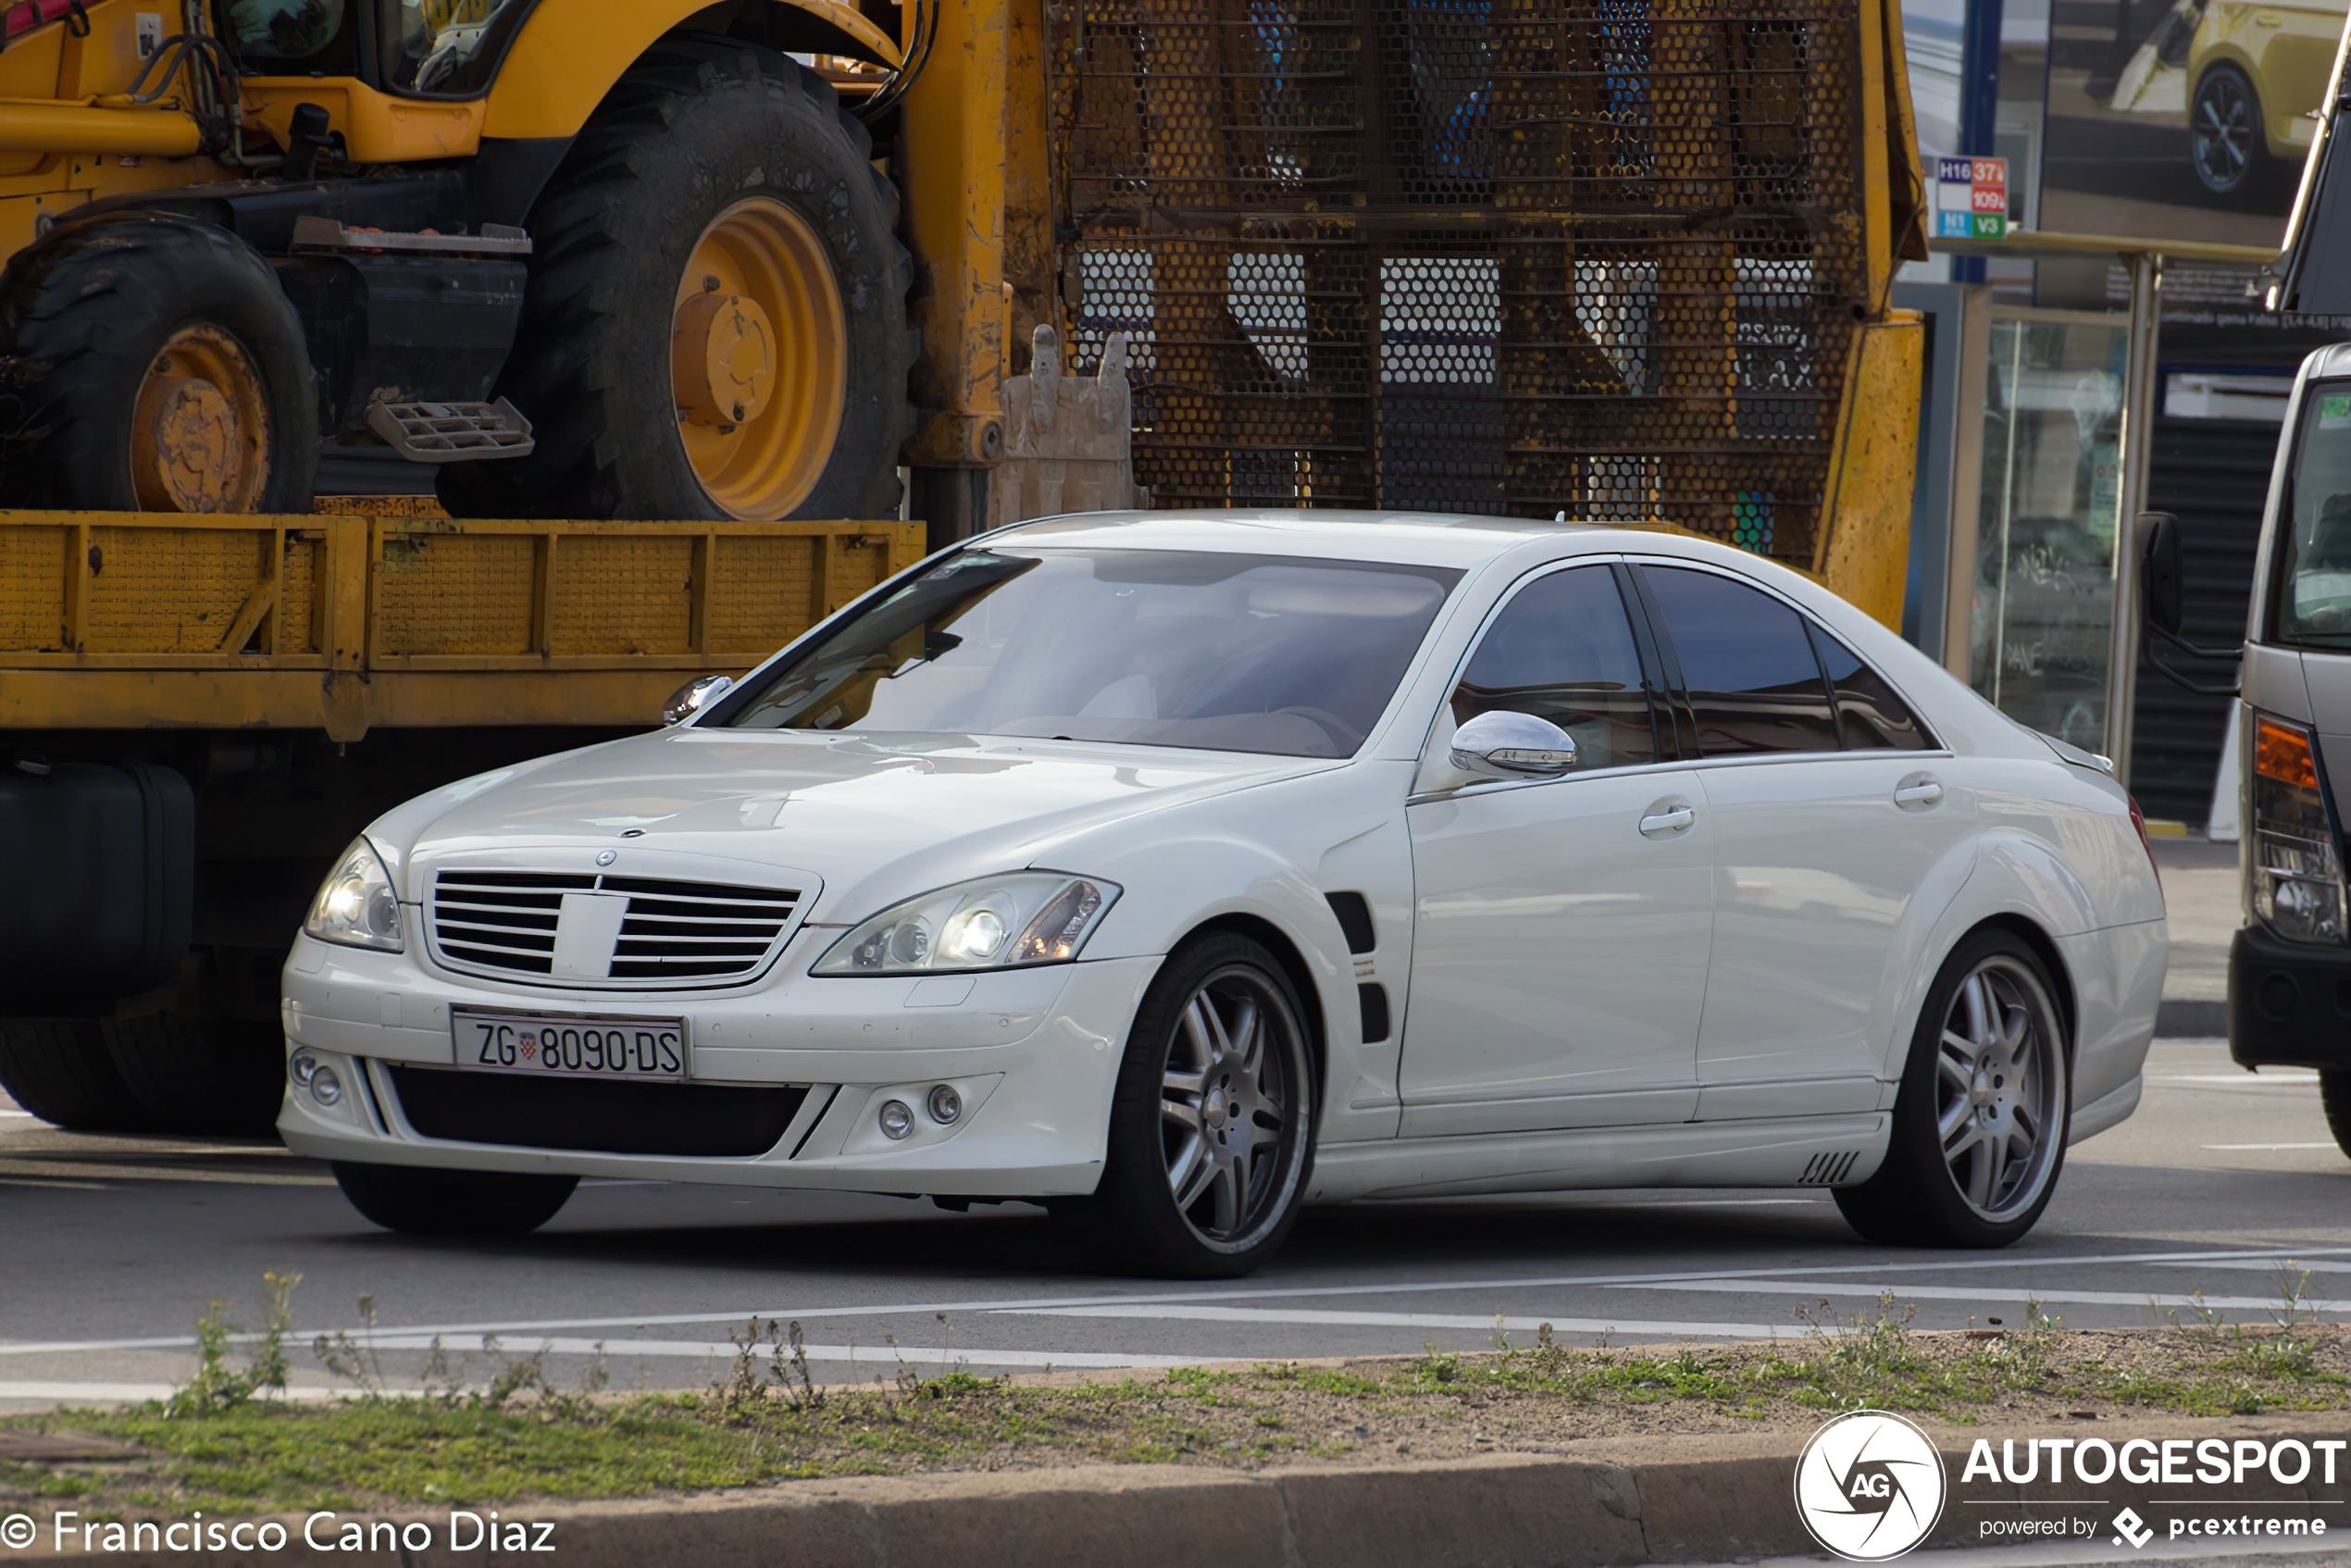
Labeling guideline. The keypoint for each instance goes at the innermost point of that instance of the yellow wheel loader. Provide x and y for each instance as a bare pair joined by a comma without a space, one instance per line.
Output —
591,258
703,320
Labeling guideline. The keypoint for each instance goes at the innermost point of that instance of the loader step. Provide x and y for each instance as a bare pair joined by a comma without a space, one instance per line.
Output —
313,233
452,432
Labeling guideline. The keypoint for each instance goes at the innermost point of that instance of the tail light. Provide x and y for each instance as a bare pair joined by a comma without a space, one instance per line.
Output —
2296,869
2139,822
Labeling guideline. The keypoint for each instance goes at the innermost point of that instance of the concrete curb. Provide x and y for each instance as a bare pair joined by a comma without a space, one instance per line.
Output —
1653,1501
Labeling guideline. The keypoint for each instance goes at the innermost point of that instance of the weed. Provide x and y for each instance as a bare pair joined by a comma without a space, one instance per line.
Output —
218,1387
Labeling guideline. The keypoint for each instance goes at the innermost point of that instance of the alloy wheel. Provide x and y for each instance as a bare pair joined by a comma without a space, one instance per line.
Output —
2223,130
2000,1090
1225,1102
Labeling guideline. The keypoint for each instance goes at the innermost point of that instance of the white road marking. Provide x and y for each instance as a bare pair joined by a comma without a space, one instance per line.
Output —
2242,1081
1968,1293
17,1115
1971,1263
915,1356
1414,1320
2330,1144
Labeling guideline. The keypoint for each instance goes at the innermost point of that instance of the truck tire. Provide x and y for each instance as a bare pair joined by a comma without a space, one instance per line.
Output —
218,1077
60,1070
715,321
2334,1095
152,363
420,1201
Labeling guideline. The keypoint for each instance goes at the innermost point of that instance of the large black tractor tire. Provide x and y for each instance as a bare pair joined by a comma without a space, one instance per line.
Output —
419,1201
218,1077
152,363
60,1070
697,130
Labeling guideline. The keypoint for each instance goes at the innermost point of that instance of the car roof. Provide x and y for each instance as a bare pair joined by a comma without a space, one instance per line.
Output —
1425,539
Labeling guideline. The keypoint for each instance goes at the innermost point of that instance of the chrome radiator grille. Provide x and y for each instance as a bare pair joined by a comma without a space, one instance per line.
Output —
561,927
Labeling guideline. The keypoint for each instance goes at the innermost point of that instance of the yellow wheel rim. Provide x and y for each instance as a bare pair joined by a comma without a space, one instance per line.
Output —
758,359
200,428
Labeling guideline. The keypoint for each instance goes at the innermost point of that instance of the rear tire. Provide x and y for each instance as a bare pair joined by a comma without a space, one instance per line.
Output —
1212,1124
2227,144
415,1201
703,140
152,363
2334,1093
217,1078
1989,1070
59,1069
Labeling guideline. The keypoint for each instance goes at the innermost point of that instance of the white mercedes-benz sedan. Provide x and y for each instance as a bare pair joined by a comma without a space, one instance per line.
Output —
1179,870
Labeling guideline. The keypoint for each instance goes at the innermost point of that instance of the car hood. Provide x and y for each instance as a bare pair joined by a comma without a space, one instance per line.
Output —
867,819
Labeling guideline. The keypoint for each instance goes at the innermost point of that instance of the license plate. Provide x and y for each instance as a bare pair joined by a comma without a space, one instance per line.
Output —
562,1046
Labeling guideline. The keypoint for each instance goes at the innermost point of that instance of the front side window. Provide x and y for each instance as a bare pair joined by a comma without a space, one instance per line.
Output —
447,48
1563,650
1747,663
2313,604
1221,652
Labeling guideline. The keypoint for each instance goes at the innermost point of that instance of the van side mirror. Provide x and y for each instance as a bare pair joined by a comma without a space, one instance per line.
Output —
2161,584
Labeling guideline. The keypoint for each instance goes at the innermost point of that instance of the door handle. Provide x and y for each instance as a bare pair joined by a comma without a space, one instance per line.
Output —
1919,792
1658,824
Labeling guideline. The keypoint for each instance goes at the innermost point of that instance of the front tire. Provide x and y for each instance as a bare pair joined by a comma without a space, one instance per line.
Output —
220,1078
60,1070
1211,1126
1981,1119
715,321
2227,142
153,364
419,1201
2334,1094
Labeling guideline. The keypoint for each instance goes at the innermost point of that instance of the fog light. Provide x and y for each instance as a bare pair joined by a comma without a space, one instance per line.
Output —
300,1066
946,1105
897,1120
325,1087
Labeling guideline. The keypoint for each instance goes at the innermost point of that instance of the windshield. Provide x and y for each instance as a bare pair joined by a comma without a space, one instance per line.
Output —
1159,648
2314,577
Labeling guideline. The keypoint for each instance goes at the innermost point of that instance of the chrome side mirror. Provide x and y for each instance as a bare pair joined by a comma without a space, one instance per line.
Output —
694,696
1502,745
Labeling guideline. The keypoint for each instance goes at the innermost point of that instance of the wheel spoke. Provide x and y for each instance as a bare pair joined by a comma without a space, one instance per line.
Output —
1227,1175
1956,1062
1176,1080
1205,1029
1190,1171
1992,1164
1978,995
1183,1112
1954,1118
1969,1133
1248,1036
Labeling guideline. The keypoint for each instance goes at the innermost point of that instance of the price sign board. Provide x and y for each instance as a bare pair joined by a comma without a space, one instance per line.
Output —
1971,198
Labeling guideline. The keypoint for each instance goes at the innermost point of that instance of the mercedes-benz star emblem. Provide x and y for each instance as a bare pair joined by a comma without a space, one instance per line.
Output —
607,857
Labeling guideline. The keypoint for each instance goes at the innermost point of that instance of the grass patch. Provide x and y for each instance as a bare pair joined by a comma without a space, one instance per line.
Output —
497,1429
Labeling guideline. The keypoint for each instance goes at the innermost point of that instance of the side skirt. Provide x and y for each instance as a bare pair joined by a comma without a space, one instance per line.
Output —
1797,1151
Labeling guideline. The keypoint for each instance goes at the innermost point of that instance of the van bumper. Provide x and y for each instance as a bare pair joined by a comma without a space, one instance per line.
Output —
2289,1002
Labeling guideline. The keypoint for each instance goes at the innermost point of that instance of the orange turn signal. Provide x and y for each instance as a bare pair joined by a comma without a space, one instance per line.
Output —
2282,752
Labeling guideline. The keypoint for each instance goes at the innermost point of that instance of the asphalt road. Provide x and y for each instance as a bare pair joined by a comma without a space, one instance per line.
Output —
2225,1184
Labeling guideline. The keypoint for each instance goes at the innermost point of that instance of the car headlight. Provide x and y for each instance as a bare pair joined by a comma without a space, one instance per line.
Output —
1005,922
355,906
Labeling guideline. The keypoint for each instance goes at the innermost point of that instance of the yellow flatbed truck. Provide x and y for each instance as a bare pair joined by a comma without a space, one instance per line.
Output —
716,277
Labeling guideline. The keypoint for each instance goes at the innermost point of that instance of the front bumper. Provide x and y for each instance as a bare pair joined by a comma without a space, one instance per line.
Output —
2289,1002
1033,1054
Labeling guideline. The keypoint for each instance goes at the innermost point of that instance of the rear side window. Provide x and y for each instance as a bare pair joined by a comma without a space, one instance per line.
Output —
1754,685
1869,715
1563,650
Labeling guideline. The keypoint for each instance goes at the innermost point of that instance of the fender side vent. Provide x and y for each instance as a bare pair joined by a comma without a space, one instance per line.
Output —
1827,1170
1354,911
1375,1003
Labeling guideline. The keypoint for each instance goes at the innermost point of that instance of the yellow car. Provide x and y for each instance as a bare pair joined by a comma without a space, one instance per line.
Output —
2257,71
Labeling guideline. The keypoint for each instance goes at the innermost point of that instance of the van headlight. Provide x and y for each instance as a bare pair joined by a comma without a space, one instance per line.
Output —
355,906
1007,922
